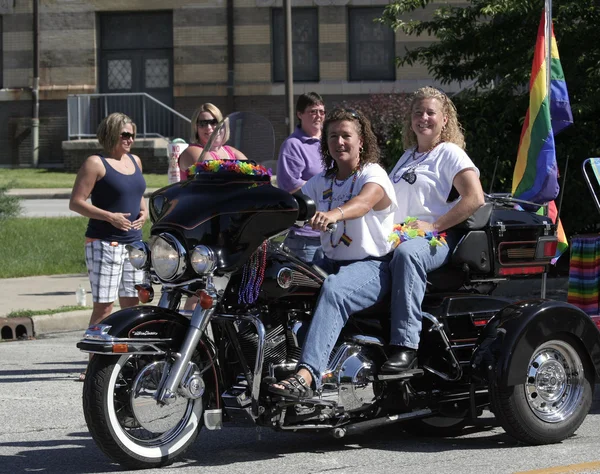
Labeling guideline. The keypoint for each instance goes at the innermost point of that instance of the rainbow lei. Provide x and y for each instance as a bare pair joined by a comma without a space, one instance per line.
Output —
402,233
229,166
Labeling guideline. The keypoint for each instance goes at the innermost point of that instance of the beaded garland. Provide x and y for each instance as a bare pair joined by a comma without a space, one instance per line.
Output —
253,275
402,233
230,166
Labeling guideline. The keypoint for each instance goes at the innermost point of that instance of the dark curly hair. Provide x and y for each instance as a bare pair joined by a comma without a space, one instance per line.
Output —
369,152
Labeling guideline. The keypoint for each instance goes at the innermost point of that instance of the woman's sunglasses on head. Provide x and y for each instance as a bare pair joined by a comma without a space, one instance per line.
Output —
127,135
206,123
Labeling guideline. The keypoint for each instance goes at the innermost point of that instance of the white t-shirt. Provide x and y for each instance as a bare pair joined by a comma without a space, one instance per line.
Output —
369,233
432,175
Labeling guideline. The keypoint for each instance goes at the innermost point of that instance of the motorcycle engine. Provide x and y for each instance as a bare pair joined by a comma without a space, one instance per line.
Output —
348,381
282,339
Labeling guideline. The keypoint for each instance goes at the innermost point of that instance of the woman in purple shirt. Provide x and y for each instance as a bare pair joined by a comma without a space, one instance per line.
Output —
299,160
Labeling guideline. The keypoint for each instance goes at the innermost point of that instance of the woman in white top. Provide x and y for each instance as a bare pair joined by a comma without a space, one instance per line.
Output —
425,177
355,192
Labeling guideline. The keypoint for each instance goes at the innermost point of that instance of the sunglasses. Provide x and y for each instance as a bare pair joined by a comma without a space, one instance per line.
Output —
316,112
206,123
127,135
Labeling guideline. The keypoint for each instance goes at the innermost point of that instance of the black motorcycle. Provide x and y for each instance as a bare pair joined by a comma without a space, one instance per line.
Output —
159,373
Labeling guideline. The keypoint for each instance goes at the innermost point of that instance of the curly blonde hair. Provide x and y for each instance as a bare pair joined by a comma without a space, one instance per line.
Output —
451,132
370,150
109,130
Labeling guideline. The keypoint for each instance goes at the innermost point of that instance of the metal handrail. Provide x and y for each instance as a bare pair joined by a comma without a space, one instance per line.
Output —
85,112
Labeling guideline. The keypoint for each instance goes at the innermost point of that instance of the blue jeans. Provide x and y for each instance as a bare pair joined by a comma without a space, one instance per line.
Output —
409,266
351,286
307,249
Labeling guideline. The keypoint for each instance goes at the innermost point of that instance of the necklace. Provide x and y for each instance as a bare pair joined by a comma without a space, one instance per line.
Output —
409,174
328,193
342,181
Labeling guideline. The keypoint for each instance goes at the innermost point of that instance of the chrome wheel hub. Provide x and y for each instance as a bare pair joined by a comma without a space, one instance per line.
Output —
554,384
154,417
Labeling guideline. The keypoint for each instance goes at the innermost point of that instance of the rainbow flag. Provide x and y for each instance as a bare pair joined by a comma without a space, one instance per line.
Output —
535,177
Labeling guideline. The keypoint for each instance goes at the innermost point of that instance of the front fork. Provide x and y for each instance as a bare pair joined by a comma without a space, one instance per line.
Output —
201,316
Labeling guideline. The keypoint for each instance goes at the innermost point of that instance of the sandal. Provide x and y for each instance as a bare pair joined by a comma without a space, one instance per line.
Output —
294,387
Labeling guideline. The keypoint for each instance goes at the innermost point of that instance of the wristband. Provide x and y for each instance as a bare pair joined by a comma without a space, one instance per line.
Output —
342,211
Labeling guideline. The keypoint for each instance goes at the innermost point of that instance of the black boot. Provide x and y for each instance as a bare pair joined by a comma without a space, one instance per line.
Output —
401,359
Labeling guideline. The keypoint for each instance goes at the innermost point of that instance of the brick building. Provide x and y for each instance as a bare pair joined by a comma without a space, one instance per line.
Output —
229,52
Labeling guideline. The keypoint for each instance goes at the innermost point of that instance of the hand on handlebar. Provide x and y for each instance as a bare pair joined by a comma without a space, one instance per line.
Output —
323,221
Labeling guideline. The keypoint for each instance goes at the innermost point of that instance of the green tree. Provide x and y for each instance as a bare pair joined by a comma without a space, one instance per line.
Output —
487,47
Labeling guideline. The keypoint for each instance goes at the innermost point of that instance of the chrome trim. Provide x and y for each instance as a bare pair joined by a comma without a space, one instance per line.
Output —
367,340
144,248
198,324
207,252
181,253
300,279
439,327
283,283
260,353
133,348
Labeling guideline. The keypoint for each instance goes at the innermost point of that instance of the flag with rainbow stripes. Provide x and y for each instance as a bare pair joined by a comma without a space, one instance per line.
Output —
535,177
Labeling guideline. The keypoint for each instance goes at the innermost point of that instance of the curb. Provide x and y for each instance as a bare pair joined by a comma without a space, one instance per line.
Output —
61,322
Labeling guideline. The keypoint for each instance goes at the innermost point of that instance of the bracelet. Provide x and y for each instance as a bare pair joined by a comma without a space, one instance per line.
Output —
341,210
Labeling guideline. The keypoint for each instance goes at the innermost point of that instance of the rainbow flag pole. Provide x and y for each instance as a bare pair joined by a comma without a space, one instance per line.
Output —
535,177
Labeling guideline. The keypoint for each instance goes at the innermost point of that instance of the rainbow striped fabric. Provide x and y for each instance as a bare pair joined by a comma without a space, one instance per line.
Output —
584,273
535,177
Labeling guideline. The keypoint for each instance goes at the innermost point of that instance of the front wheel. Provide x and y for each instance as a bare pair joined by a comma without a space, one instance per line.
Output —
554,398
126,422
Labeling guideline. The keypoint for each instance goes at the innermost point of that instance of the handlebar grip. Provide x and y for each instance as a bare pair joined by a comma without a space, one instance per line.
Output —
331,228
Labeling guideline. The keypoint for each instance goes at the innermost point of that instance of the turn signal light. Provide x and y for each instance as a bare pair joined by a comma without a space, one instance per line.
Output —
206,300
120,348
145,293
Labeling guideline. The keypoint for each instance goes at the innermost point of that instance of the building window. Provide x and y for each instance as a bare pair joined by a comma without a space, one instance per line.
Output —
371,46
305,44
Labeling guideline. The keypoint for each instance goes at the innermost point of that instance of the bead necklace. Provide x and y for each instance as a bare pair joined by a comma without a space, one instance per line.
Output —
410,172
328,193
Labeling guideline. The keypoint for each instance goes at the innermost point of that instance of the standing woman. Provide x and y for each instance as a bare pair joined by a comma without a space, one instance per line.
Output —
117,212
299,160
431,171
355,192
204,121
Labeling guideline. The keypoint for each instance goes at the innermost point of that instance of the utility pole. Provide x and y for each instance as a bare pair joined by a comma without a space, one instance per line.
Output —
35,91
289,70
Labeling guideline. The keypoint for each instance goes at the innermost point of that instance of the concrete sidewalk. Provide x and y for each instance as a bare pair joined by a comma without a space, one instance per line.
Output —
47,293
52,193
50,292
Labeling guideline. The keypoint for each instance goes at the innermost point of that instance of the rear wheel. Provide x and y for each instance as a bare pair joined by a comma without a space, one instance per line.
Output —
125,420
554,398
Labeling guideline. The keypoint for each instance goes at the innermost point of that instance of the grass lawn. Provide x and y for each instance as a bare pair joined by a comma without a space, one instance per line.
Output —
41,178
44,246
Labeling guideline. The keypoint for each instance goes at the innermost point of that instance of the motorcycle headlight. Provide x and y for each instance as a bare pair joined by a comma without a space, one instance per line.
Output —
138,254
168,257
203,260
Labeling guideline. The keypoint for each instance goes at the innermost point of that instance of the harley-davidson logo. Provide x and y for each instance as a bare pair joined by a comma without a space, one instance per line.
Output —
144,333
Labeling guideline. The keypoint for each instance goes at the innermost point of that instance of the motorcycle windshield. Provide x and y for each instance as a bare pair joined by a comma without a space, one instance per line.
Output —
229,205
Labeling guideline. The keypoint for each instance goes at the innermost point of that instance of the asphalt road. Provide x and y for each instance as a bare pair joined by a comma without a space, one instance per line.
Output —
43,430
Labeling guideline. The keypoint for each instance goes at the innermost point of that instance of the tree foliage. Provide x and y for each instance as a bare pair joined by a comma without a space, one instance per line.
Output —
487,47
